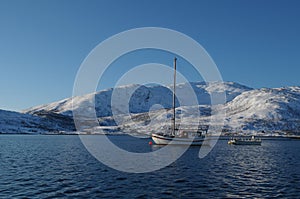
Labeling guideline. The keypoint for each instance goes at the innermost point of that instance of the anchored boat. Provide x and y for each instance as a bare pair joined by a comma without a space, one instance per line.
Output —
181,138
245,141
193,137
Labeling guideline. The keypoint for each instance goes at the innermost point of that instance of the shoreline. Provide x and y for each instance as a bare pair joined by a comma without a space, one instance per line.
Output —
221,137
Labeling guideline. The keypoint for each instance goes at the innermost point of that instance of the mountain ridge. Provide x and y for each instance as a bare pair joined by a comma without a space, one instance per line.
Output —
162,95
247,109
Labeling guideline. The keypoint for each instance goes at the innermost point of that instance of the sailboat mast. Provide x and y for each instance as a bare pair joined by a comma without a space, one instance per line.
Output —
174,98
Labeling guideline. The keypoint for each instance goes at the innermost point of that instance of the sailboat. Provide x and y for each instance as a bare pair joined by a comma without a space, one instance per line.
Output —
175,136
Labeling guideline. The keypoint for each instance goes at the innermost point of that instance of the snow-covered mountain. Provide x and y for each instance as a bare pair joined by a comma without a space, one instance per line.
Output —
141,98
247,110
14,122
276,109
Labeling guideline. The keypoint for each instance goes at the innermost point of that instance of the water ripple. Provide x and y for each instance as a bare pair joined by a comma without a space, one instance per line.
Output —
60,167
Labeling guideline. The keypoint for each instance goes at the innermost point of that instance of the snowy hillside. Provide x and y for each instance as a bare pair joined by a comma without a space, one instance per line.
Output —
275,109
14,122
143,98
247,110
266,111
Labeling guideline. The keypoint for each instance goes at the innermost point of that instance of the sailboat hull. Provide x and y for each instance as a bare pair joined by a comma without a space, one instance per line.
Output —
165,140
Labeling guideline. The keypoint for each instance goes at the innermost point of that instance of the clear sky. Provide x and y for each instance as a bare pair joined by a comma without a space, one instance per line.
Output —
43,42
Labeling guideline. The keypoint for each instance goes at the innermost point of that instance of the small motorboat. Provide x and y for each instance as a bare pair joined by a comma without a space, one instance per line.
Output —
245,141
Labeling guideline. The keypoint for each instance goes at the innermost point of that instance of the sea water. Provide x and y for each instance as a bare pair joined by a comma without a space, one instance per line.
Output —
41,166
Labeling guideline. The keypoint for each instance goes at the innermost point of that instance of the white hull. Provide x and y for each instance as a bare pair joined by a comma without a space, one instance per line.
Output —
252,141
164,140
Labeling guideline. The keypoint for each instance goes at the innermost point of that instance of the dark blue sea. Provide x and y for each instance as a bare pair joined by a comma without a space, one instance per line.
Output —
48,166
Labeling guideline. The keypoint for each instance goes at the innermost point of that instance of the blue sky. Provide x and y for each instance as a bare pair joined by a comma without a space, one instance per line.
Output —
43,43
